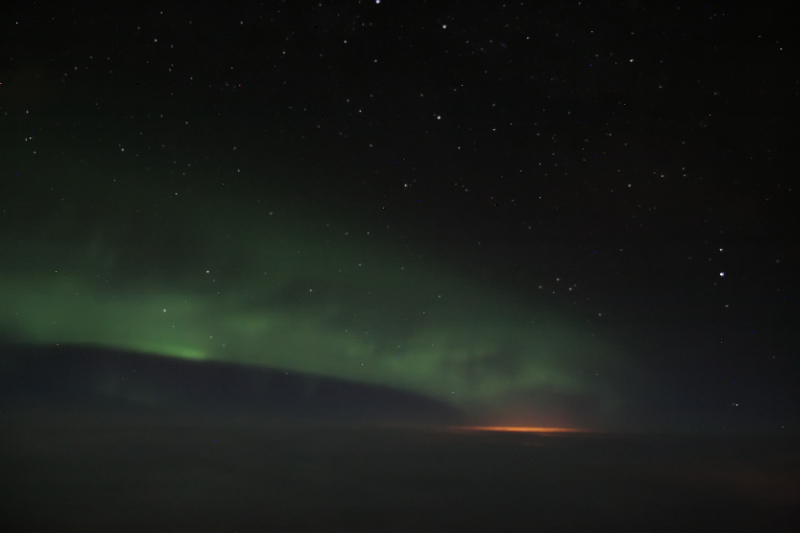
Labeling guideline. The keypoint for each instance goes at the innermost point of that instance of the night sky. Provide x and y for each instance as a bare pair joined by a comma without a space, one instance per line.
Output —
577,214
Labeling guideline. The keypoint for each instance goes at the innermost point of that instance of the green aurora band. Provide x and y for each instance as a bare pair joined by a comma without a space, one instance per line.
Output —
288,290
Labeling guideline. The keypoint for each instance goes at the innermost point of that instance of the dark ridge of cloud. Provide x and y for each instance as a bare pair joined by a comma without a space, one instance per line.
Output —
64,377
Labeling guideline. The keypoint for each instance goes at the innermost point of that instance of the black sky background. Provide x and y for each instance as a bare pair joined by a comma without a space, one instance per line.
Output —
634,150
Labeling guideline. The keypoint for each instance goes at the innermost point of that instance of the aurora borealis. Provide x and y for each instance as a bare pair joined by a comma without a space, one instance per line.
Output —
299,291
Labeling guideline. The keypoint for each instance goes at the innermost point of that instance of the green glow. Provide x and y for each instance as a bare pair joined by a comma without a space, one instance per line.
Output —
294,293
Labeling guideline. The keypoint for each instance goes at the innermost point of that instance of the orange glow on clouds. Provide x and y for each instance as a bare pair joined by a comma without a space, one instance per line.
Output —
518,429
